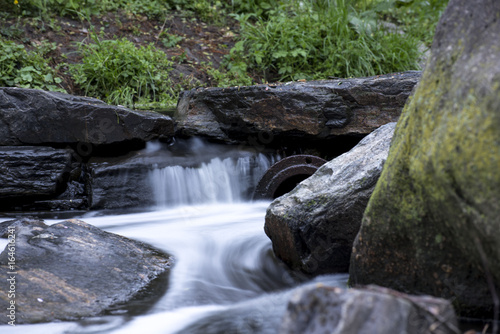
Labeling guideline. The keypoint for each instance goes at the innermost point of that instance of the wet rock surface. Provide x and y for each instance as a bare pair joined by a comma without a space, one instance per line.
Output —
41,178
371,310
72,269
36,117
313,227
120,183
322,307
47,138
324,118
274,114
431,226
32,171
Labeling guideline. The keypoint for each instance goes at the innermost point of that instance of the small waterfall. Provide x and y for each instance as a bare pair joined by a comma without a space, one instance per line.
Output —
227,180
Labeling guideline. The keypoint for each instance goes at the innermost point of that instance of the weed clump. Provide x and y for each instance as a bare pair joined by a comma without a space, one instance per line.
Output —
317,40
24,69
121,73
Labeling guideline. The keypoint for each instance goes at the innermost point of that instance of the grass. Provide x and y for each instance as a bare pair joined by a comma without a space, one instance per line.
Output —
277,40
120,73
313,40
416,18
47,8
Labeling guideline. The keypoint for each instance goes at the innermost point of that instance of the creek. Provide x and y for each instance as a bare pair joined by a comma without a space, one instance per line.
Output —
225,278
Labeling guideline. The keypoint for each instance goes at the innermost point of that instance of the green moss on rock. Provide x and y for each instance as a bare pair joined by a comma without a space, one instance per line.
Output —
442,176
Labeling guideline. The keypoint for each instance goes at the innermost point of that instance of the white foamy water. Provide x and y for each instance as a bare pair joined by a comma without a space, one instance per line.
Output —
226,180
224,273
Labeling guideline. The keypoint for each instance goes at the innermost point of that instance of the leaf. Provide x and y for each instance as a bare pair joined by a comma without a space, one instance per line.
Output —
239,46
265,5
280,54
297,52
26,76
48,77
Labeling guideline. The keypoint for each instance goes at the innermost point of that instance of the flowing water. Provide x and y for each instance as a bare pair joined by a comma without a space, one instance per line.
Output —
225,278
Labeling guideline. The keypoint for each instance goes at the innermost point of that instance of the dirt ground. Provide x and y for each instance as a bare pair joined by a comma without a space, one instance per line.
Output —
201,42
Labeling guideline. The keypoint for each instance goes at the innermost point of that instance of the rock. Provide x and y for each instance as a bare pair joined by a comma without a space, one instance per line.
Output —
431,226
120,183
322,307
41,178
313,226
261,315
72,269
373,310
296,111
36,117
29,172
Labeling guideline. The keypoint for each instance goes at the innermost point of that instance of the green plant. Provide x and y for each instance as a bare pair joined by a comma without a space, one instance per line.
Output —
318,39
258,8
212,11
228,78
46,8
150,8
121,73
170,40
20,68
12,32
417,18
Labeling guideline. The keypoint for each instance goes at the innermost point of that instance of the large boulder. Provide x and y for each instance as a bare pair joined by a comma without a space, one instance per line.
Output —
70,270
294,111
36,117
313,226
432,223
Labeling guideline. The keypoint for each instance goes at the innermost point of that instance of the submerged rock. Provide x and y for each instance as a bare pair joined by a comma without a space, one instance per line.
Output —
296,111
431,226
313,226
72,269
36,117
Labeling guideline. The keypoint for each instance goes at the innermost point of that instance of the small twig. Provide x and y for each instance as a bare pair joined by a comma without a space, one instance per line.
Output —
491,284
162,28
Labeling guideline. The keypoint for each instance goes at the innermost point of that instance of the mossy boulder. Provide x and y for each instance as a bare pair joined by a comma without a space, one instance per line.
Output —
431,225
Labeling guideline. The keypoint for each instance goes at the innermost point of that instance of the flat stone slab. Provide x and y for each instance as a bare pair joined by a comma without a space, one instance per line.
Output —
309,110
71,269
37,117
